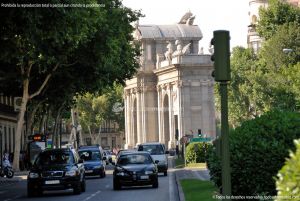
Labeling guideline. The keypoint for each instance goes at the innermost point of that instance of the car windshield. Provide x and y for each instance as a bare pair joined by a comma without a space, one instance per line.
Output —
53,158
134,159
90,155
154,149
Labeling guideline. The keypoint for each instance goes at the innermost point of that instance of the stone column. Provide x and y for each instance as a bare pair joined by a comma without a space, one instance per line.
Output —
159,112
205,108
139,115
186,104
180,109
127,117
171,143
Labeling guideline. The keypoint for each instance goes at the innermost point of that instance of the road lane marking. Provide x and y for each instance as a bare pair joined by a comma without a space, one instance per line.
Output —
91,196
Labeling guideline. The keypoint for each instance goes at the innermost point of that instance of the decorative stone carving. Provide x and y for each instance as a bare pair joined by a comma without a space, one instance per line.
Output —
169,52
201,51
185,18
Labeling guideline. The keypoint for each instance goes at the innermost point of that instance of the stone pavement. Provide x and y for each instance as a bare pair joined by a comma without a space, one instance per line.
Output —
189,173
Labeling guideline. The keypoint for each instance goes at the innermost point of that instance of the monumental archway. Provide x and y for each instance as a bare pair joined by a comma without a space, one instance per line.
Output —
173,86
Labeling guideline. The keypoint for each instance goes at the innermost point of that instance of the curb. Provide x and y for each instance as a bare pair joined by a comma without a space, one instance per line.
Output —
179,188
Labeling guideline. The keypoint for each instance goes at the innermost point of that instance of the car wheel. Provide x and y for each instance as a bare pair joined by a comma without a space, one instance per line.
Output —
166,173
77,189
155,183
83,185
117,185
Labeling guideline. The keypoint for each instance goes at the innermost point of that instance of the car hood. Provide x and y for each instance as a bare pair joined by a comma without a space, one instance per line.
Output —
52,168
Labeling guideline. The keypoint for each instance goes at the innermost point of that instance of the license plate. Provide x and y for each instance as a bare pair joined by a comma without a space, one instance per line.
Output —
89,171
52,182
144,177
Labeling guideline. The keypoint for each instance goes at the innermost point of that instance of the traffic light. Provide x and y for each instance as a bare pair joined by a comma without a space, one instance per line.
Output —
221,55
199,133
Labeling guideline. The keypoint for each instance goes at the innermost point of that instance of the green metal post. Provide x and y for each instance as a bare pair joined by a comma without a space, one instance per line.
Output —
226,177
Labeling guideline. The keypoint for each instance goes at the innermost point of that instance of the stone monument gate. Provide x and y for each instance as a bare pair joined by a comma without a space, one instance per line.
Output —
173,88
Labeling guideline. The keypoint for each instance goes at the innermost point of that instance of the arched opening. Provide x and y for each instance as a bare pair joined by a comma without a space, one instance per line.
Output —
134,113
166,118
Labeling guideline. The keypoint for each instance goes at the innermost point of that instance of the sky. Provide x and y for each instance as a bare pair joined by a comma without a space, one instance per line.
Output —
231,15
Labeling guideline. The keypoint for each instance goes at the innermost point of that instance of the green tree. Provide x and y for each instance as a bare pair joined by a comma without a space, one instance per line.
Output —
276,14
95,109
91,47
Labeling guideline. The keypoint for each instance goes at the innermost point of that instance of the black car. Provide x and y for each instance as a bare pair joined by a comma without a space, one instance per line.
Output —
94,160
56,169
135,169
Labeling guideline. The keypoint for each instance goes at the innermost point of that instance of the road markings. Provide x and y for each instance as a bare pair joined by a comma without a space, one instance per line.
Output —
91,196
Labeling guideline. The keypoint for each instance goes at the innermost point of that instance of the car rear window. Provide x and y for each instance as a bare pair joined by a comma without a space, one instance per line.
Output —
134,159
153,149
90,155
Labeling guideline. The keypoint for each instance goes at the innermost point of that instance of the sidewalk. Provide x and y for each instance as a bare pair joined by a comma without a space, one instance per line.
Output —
189,173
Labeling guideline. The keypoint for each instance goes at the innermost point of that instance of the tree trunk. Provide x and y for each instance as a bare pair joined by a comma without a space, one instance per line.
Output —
20,124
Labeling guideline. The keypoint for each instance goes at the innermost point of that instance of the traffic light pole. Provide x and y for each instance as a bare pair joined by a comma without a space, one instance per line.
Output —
225,154
221,73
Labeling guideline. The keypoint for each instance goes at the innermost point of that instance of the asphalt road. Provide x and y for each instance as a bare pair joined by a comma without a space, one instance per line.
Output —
99,189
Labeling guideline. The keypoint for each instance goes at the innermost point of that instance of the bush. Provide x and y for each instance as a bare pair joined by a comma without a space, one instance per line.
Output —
288,182
196,152
258,149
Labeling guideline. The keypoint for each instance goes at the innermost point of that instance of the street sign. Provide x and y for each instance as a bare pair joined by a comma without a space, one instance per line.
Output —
201,139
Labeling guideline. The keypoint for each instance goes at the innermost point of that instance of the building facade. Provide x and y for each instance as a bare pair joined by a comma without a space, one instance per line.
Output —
172,91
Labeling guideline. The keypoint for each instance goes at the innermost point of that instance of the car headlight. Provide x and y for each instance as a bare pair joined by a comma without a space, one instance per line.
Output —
33,175
148,172
71,173
121,174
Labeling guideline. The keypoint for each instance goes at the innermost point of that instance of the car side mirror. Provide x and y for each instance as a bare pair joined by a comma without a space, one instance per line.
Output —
156,161
167,152
80,160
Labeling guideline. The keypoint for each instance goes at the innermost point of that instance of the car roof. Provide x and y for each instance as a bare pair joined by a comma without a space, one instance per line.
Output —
151,143
135,152
89,147
58,150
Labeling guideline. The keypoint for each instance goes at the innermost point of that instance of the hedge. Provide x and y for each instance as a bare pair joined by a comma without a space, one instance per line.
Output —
258,149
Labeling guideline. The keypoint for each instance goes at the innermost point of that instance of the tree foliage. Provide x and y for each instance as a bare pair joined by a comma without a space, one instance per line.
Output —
288,183
95,109
79,49
267,80
276,14
258,148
